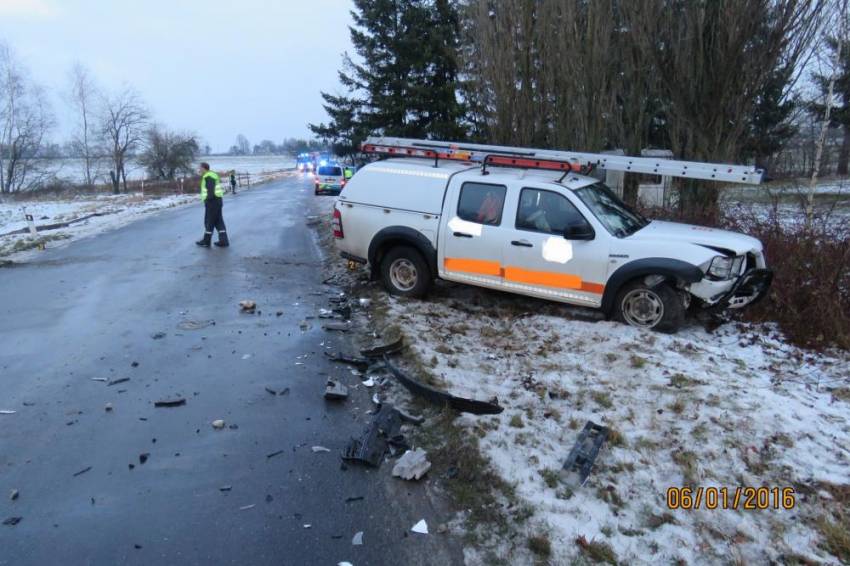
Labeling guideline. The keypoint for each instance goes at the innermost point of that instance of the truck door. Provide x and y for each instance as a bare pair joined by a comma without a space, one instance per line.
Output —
473,234
540,261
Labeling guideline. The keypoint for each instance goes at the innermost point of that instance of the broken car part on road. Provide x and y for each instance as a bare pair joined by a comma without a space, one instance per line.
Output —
381,434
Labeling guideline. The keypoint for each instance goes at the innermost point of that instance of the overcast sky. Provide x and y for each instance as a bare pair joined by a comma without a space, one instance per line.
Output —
216,67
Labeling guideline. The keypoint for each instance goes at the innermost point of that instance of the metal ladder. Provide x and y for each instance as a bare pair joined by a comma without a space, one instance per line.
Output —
555,160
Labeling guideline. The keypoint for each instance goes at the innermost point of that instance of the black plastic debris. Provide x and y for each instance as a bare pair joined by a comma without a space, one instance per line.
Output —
81,472
178,402
273,454
144,457
381,435
158,335
117,381
12,521
383,350
580,460
337,326
360,363
438,397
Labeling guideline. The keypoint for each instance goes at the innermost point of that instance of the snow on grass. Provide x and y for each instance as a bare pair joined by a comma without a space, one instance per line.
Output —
117,211
733,407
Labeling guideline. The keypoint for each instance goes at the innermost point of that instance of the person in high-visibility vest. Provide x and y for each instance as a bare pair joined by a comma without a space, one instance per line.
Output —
212,194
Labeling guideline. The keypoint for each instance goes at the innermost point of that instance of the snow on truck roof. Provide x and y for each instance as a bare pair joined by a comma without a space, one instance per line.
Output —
445,168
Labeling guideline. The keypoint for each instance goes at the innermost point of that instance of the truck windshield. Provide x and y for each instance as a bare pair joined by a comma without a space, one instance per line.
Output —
613,213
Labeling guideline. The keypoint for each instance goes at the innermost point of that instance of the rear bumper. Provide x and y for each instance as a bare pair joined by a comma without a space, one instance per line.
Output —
328,189
749,289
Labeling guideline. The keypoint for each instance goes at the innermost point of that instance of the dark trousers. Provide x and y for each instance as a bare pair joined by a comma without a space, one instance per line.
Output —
213,217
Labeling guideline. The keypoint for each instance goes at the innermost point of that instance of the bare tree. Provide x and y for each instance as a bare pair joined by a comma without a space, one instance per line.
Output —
168,153
25,121
82,96
122,124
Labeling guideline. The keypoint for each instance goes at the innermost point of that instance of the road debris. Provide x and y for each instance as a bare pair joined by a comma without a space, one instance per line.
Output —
369,382
134,364
412,465
421,527
12,521
178,402
273,454
248,306
381,434
218,424
13,495
158,335
81,472
108,407
195,324
7,412
337,326
225,488
441,397
246,507
143,457
354,498
408,418
580,460
360,363
383,350
335,391
99,379
117,381
318,449
357,540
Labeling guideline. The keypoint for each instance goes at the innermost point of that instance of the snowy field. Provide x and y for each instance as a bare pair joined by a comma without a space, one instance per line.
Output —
731,408
73,169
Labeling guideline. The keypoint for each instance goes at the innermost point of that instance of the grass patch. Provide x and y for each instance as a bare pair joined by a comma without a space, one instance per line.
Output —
841,393
516,421
687,461
540,545
602,399
654,521
637,362
551,477
680,380
596,550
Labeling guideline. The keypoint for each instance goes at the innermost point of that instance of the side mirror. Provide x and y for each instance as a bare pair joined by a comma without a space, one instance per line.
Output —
579,232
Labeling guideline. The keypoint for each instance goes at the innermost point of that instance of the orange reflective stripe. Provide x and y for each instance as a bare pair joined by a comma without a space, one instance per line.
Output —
547,278
477,266
518,275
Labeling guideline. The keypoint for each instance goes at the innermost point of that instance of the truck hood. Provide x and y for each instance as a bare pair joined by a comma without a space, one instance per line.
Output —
700,235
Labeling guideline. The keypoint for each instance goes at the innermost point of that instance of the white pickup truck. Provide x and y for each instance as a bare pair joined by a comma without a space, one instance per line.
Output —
561,236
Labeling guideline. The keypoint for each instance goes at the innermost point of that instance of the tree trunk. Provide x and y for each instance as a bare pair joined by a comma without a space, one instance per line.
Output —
115,186
698,201
124,178
844,153
630,189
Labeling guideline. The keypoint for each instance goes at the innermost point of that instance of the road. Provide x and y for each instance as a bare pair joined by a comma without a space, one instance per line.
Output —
92,309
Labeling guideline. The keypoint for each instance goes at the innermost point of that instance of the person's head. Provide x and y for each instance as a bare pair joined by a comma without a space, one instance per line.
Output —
204,167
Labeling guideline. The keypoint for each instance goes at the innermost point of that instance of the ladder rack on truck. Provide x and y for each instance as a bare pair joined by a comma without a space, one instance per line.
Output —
565,161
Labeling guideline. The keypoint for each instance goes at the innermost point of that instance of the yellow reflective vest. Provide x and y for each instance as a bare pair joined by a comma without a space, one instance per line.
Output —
218,191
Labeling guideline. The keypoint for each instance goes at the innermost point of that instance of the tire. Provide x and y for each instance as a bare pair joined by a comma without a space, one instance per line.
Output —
656,307
405,272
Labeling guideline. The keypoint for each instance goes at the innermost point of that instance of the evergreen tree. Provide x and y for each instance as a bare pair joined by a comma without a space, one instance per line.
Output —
769,125
406,84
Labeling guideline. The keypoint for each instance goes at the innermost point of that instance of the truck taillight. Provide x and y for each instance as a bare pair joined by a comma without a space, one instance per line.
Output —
337,224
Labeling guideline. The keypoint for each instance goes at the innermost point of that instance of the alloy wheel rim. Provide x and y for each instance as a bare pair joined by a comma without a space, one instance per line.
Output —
643,308
403,274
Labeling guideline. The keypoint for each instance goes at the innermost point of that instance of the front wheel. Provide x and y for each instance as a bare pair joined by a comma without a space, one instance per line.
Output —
405,272
656,307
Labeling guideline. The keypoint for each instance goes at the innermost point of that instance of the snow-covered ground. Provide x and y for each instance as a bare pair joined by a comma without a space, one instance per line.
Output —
729,408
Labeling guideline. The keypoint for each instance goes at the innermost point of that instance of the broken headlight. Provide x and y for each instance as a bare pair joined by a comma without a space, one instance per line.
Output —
721,267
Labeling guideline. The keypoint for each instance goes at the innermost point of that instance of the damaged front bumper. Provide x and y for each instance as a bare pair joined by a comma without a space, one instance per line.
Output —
746,290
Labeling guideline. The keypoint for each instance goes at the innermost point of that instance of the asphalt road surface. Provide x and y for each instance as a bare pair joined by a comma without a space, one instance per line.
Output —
92,309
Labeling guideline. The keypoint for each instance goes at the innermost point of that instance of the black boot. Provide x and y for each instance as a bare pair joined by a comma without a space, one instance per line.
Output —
222,242
205,241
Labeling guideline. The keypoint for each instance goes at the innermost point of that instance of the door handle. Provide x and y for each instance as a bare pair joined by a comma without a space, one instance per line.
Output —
522,243
461,235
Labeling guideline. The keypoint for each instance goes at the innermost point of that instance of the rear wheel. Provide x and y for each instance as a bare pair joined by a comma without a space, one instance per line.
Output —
405,272
656,307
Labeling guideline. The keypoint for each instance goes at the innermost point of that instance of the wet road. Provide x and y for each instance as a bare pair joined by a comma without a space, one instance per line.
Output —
90,311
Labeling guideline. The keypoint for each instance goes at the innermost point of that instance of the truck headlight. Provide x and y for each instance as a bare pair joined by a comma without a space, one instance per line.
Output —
721,267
